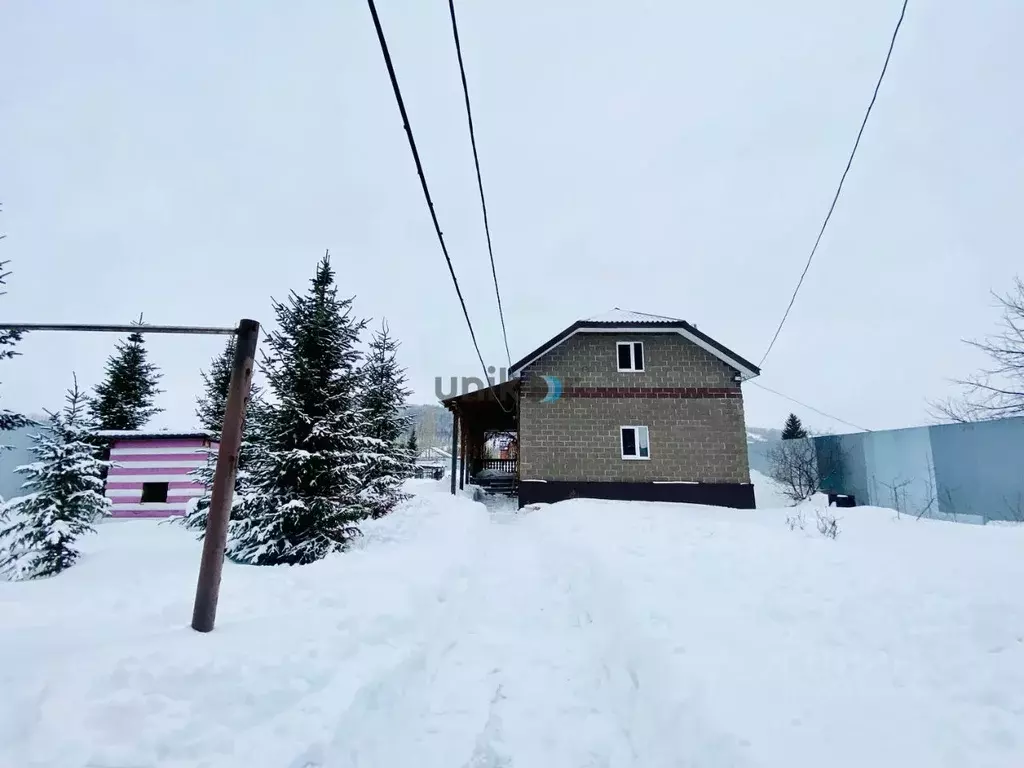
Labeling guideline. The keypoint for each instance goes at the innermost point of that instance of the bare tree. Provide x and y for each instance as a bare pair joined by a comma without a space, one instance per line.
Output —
898,492
793,464
928,507
1014,508
996,391
803,466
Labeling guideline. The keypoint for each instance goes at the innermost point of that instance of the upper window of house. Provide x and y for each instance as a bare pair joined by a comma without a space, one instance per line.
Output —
635,443
630,355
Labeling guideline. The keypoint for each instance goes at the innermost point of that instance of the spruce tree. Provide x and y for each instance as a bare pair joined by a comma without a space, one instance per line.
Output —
411,446
8,339
210,412
302,499
198,509
38,531
125,398
793,428
216,380
385,421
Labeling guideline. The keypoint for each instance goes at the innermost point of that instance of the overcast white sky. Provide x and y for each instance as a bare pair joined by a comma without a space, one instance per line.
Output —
190,160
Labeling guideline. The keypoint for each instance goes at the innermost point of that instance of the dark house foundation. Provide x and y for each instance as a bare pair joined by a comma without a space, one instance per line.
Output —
735,495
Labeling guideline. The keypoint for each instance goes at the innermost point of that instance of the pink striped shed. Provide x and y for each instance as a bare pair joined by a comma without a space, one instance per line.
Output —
149,476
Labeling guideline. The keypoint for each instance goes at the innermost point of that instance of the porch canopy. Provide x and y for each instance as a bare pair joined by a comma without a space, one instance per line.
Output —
477,413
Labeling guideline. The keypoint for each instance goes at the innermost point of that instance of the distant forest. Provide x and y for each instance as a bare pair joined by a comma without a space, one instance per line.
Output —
433,426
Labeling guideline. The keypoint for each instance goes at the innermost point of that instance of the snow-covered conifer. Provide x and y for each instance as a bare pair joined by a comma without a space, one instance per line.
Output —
8,339
385,421
302,499
125,399
39,531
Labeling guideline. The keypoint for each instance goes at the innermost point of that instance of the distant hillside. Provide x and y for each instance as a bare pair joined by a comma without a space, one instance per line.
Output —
763,434
759,441
433,426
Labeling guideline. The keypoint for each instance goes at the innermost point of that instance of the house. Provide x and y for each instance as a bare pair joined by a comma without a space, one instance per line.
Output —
433,462
624,405
150,473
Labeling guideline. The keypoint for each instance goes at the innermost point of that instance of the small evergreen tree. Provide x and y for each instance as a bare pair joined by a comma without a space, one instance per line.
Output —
125,398
38,531
8,339
793,428
385,421
411,446
302,500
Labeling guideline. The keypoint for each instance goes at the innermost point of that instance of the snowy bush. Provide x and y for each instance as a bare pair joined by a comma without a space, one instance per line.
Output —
828,525
796,520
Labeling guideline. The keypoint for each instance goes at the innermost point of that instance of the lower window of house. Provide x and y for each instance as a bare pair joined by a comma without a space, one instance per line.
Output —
154,493
635,443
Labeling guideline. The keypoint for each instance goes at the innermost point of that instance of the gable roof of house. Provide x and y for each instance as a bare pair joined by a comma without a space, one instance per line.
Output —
617,320
629,316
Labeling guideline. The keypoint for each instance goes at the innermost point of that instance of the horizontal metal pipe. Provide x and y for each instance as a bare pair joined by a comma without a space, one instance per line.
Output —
81,327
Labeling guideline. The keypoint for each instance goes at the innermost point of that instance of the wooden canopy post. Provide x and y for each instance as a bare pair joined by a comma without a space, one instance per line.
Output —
462,456
455,447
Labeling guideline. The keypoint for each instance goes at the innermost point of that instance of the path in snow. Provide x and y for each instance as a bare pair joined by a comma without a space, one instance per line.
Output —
534,660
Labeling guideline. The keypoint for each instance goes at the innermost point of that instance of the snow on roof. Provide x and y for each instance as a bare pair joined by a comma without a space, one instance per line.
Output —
154,434
628,316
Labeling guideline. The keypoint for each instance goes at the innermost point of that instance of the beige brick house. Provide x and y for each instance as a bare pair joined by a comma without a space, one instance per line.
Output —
624,405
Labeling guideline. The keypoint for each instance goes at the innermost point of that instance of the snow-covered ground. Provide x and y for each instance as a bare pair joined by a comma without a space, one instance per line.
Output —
585,633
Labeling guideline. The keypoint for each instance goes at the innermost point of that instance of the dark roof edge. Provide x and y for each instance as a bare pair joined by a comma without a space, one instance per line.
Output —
126,434
666,325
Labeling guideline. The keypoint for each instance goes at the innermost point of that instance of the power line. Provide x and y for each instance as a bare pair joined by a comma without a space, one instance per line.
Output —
842,179
479,178
810,407
423,183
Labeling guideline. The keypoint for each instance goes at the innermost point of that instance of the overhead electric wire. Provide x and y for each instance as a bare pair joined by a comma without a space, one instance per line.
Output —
809,407
426,190
479,177
839,189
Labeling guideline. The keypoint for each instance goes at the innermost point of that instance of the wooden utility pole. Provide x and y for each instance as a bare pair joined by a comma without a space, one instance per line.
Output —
204,612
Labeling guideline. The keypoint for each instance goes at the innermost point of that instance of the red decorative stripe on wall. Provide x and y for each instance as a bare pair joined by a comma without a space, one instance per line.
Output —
675,393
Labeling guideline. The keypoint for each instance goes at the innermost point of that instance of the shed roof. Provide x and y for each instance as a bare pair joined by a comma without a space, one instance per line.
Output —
155,434
618,320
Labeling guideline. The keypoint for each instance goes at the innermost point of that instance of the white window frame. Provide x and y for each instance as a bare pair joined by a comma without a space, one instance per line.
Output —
632,356
636,441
